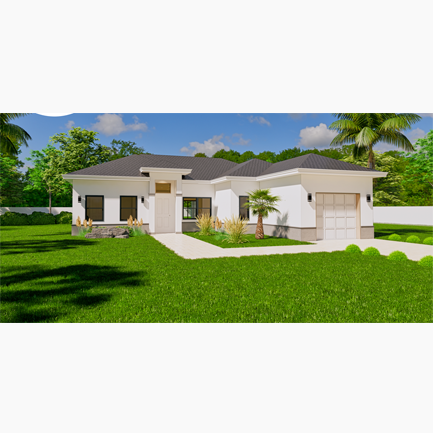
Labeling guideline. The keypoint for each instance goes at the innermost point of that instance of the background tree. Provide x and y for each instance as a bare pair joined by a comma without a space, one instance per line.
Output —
120,149
200,155
246,156
229,155
81,149
365,130
11,135
261,203
12,181
47,172
266,155
420,163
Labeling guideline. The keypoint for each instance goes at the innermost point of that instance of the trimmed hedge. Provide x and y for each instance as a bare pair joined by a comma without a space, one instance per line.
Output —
371,251
14,219
428,241
36,218
64,218
398,256
426,261
353,248
413,239
394,237
41,218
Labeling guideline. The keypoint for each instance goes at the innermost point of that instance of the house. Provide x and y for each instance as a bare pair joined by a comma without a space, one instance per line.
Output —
321,198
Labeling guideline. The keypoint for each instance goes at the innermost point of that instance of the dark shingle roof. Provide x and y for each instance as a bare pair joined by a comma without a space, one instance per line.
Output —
202,168
311,160
213,168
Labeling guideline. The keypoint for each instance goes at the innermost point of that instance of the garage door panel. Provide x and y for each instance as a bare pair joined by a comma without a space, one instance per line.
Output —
336,218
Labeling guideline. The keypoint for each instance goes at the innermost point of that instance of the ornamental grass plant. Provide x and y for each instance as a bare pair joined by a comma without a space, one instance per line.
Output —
236,228
204,223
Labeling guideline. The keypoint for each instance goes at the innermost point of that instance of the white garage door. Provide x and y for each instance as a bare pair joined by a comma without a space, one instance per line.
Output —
336,216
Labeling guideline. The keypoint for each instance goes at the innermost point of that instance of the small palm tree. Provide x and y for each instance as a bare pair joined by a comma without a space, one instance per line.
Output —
366,129
261,203
11,136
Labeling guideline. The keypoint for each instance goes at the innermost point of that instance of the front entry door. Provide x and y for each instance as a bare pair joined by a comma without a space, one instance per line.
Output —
164,213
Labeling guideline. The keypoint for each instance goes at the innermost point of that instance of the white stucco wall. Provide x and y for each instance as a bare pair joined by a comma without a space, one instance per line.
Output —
289,190
241,188
335,184
111,190
410,215
223,197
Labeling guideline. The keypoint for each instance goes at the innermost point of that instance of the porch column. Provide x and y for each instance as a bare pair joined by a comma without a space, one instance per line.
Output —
152,205
179,207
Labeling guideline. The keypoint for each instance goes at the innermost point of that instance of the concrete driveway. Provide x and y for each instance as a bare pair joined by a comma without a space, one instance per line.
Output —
190,248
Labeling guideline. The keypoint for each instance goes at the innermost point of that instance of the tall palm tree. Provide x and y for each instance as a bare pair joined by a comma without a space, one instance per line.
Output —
261,203
11,136
366,129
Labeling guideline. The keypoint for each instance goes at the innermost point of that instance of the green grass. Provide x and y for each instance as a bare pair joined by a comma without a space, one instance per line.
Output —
49,276
382,231
268,241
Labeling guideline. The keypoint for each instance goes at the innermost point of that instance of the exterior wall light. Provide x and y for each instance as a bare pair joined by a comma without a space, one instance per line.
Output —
309,197
142,199
368,198
79,199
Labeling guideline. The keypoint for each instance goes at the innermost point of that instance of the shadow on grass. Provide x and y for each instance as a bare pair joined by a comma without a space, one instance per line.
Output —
36,246
57,290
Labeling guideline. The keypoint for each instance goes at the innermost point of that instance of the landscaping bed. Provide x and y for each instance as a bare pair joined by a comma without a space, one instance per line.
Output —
383,231
268,241
50,276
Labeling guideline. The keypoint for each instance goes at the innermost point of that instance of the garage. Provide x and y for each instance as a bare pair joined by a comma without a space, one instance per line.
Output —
336,216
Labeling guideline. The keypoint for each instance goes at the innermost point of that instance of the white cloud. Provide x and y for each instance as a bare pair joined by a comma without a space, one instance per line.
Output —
113,124
241,141
415,134
209,147
70,124
425,114
260,120
316,136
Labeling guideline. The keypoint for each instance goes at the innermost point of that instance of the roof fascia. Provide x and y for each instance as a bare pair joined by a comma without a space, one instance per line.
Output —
71,177
198,181
234,178
183,171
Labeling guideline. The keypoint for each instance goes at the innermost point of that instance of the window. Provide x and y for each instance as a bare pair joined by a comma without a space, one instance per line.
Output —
128,207
194,207
95,207
163,188
244,212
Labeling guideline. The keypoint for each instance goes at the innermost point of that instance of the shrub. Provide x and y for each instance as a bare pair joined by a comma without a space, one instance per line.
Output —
371,251
82,231
235,228
14,219
428,241
394,237
136,231
64,218
352,248
398,256
204,223
413,239
41,218
426,261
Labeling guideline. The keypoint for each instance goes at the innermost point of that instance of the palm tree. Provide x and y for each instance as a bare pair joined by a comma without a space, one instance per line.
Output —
11,136
367,129
261,203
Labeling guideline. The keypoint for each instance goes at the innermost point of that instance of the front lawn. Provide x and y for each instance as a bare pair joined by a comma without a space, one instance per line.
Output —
268,241
49,276
382,231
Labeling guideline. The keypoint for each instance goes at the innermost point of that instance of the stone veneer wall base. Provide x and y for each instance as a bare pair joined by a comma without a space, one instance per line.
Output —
144,227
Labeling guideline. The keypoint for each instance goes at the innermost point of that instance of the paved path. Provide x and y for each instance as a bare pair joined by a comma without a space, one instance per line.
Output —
190,248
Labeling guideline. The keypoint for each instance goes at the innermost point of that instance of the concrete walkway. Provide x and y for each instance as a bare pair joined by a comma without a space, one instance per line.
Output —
190,248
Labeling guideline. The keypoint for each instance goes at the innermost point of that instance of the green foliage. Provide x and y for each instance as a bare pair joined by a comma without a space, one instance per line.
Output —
200,155
229,155
371,251
120,149
394,237
428,241
420,162
246,156
11,181
82,231
398,256
136,231
64,218
267,155
14,219
413,239
12,136
261,202
426,261
41,218
353,248
365,130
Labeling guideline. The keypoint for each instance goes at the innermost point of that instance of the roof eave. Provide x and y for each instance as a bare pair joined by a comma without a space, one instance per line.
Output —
182,171
72,177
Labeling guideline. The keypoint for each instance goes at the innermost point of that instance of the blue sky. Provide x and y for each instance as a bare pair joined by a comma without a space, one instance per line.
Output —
186,134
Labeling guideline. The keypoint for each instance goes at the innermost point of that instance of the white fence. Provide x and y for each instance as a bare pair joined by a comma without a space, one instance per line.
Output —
410,215
29,210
